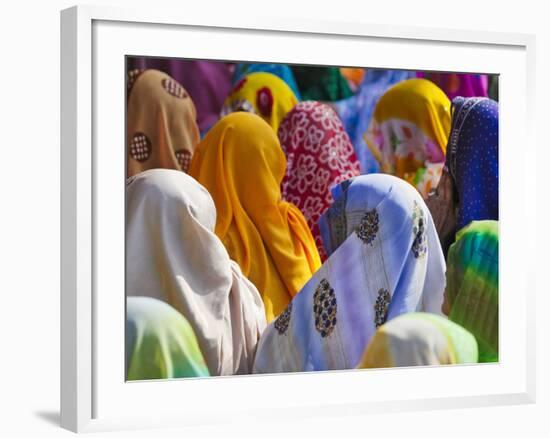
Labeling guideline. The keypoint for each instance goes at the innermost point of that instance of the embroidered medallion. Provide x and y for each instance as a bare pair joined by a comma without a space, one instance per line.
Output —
324,308
368,227
283,320
419,245
140,147
173,88
184,159
381,307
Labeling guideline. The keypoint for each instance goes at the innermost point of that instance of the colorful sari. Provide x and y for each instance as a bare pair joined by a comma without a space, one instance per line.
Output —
321,83
459,84
282,71
160,343
409,131
419,339
319,155
472,285
162,130
173,255
472,158
263,94
390,263
242,164
356,111
208,82
353,75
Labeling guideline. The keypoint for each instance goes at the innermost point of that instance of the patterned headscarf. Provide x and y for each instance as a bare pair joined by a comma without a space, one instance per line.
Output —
263,94
207,82
391,263
472,285
282,71
417,339
409,131
472,158
160,343
241,163
319,155
162,129
356,111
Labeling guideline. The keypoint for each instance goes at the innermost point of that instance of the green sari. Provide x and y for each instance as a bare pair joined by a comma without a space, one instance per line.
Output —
472,285
160,343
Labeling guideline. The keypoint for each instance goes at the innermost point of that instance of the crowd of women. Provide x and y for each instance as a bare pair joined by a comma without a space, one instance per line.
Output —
293,218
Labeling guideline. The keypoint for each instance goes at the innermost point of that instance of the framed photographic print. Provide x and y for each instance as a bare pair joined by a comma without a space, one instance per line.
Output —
331,222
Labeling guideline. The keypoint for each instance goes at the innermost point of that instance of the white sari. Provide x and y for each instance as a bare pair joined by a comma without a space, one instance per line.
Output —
172,254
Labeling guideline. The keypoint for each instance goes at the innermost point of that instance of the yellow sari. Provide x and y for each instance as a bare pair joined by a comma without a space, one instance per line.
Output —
241,163
409,131
263,94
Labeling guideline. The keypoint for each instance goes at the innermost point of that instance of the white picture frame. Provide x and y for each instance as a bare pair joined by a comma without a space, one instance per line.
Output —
94,395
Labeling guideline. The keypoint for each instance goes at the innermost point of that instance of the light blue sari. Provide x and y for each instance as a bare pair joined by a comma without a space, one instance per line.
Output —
389,262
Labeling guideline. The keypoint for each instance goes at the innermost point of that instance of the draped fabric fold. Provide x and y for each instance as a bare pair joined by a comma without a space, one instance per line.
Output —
388,264
419,339
241,163
160,343
472,285
173,255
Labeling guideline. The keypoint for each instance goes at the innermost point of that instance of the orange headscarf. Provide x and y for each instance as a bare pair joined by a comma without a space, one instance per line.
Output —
241,164
162,129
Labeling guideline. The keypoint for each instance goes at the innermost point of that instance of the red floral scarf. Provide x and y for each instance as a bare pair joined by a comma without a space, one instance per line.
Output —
319,156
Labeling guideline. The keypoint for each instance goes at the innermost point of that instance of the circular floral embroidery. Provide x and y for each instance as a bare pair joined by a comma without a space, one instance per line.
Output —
264,101
140,147
184,159
283,321
419,245
324,308
173,88
381,307
368,227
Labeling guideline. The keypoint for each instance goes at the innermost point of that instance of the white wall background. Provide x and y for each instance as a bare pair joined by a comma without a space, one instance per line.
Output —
29,216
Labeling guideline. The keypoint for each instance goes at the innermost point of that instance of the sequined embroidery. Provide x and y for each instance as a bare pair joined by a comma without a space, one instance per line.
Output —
419,245
283,320
140,147
173,88
184,159
463,107
368,227
324,308
381,307
132,77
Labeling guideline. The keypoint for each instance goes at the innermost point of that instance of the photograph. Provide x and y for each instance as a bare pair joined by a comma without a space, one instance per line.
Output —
288,218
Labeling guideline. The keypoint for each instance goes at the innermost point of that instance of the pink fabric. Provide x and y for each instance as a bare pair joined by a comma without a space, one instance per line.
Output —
459,84
319,156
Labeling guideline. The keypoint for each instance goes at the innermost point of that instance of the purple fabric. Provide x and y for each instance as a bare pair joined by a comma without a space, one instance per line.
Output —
459,84
207,82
